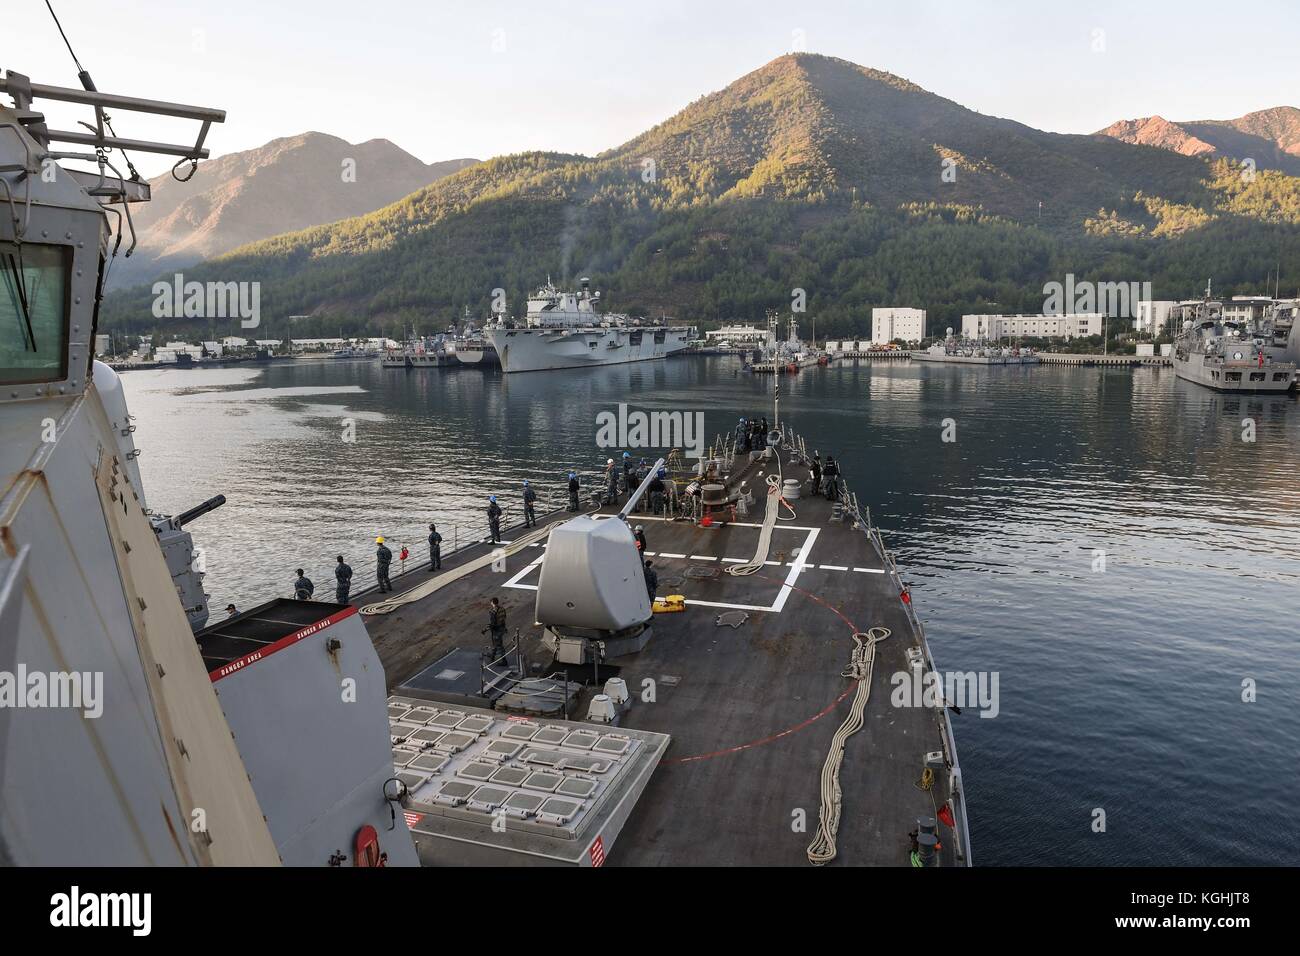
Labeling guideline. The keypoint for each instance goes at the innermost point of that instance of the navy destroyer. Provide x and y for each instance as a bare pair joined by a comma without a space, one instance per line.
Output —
745,717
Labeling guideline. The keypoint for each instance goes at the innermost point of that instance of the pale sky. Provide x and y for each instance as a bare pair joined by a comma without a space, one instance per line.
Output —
485,77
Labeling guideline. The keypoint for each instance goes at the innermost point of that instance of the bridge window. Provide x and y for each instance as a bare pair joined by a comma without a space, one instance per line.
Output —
34,312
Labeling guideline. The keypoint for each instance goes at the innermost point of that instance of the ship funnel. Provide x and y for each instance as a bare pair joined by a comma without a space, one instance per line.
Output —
585,283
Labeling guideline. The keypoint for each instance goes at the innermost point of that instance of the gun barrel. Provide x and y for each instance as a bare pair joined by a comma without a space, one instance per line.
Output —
198,511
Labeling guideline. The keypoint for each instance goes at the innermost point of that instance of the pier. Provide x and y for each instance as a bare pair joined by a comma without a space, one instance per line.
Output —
1129,361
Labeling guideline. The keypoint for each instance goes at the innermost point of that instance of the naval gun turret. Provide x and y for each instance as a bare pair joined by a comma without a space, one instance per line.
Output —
184,562
592,600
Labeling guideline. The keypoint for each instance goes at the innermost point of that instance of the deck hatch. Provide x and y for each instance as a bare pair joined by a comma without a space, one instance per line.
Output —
582,739
521,730
502,749
523,804
612,744
426,735
475,725
455,742
488,798
550,735
454,792
448,719
510,776
558,810
580,787
413,781
543,780
477,770
430,762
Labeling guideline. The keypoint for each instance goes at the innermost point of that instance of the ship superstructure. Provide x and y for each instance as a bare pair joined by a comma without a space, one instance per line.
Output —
115,747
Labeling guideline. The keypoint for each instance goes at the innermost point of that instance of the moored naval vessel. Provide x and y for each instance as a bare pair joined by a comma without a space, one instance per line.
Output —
1230,354
744,714
567,330
469,346
956,351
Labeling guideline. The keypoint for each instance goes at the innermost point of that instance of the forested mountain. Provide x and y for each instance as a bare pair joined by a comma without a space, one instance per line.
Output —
290,183
811,172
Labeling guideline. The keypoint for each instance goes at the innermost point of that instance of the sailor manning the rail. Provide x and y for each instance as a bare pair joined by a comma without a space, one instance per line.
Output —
435,548
530,497
656,492
573,491
342,581
651,581
494,519
383,558
497,628
832,475
611,477
303,588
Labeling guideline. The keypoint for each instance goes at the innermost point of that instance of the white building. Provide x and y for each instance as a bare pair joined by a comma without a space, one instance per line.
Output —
731,336
996,327
1246,308
1152,316
891,323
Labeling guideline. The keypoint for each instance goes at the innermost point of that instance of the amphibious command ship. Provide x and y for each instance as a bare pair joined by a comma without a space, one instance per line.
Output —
567,330
744,718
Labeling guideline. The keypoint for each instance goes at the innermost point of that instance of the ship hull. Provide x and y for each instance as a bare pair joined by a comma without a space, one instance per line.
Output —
1252,379
540,350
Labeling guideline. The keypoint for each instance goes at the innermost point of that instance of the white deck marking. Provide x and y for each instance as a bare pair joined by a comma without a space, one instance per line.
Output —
703,557
523,573
779,604
870,570
669,554
832,567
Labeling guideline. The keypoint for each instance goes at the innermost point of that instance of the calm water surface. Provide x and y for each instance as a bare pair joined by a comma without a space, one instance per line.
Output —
1120,689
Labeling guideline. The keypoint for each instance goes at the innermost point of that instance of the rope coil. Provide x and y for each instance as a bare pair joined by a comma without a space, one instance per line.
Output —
861,665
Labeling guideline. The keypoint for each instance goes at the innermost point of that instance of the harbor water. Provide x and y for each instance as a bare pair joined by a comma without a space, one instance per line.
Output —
1108,542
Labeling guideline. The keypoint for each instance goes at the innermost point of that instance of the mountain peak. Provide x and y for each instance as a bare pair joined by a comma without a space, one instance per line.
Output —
1269,137
289,183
